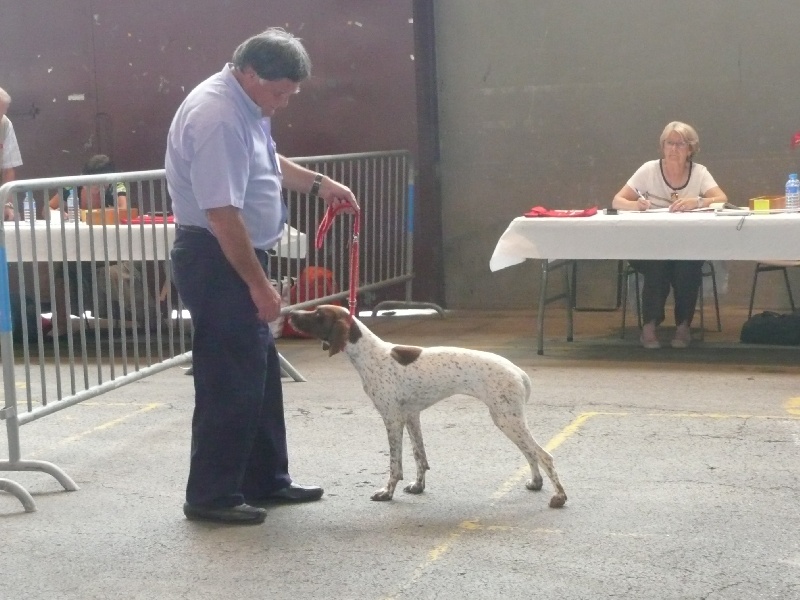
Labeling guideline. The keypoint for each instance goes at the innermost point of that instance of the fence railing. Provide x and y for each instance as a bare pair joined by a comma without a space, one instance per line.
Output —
86,307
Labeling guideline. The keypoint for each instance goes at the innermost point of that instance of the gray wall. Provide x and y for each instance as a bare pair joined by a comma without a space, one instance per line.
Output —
557,103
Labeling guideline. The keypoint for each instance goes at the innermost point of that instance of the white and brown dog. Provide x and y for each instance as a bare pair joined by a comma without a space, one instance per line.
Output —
402,381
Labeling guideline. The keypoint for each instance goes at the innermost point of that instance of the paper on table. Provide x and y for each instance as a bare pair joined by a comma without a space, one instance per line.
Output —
725,205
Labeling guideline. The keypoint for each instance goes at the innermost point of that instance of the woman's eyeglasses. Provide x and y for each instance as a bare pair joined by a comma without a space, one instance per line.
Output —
679,145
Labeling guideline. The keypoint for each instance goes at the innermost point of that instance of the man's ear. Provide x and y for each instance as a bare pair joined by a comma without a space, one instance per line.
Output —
338,337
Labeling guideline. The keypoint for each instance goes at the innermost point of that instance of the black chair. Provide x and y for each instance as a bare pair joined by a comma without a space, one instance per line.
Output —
766,267
708,271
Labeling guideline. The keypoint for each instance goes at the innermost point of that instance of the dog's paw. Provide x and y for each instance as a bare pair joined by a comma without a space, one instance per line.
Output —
534,484
382,495
414,488
558,500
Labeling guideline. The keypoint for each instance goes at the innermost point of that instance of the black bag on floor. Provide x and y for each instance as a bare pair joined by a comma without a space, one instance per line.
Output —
772,328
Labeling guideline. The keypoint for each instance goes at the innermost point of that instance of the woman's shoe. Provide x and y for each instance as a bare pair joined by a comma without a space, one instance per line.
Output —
650,344
683,337
648,337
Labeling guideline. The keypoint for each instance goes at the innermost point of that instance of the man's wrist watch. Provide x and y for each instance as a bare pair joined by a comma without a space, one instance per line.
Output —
316,185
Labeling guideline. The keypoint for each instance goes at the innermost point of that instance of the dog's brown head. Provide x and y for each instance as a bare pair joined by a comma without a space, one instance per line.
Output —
328,323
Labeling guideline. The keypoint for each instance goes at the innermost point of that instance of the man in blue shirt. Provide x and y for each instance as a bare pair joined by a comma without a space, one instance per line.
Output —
225,176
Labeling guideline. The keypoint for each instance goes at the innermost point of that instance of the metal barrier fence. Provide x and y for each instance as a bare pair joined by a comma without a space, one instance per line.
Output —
104,284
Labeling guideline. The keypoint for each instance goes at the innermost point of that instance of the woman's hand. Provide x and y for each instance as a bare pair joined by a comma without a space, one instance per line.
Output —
684,204
629,198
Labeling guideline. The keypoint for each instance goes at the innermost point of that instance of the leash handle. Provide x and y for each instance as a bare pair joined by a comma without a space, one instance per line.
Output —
322,230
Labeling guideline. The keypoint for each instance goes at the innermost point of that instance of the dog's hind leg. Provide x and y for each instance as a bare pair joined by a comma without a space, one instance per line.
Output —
394,430
415,433
512,423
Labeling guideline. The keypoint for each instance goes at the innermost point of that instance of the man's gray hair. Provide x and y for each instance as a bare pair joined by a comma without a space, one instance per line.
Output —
274,54
5,99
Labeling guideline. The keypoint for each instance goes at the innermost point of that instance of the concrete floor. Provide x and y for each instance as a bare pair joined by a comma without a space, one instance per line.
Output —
681,468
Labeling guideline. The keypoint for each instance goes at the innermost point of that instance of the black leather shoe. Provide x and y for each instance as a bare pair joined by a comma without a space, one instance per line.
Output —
243,514
294,493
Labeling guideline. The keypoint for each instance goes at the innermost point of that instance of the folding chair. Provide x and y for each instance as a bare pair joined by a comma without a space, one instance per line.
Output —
766,267
708,271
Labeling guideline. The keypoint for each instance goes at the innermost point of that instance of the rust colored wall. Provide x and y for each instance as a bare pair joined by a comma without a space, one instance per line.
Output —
90,76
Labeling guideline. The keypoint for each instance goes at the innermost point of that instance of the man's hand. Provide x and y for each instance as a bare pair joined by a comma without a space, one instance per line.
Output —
332,192
336,194
227,224
267,301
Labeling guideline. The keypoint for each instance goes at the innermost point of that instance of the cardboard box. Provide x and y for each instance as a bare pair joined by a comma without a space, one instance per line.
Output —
109,216
775,202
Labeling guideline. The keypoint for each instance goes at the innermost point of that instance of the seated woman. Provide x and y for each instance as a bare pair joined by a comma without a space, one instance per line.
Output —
94,196
677,182
119,274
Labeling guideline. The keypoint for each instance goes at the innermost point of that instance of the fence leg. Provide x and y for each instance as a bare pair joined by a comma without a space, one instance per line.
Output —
12,487
288,369
41,465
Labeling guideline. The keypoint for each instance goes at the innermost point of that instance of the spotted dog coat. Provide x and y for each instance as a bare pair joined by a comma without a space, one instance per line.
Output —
402,381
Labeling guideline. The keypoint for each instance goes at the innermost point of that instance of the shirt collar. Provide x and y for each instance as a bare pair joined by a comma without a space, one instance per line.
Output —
245,100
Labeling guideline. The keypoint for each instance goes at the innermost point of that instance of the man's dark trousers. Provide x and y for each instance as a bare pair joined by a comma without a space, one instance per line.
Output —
238,428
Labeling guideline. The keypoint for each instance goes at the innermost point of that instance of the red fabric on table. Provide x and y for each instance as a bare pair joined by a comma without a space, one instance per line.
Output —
541,211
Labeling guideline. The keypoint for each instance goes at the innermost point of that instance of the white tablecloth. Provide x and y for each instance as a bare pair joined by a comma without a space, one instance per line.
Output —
136,241
651,235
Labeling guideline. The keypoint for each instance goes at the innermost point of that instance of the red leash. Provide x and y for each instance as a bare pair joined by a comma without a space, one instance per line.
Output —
324,226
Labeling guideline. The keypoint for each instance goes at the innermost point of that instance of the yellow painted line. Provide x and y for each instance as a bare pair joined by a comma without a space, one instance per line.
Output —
104,426
111,424
793,406
559,439
442,549
90,403
474,524
575,425
720,415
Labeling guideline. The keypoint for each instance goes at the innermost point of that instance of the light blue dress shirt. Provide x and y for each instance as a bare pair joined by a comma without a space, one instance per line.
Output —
220,152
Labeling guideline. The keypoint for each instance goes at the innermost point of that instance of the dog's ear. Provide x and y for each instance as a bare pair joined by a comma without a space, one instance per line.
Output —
338,337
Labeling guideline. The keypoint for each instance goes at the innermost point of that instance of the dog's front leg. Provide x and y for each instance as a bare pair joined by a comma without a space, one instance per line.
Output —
415,433
394,429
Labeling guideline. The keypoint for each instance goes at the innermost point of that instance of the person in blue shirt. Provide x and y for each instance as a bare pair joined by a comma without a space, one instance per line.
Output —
224,177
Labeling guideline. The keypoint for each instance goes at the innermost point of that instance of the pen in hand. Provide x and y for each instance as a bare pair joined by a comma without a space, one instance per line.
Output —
641,201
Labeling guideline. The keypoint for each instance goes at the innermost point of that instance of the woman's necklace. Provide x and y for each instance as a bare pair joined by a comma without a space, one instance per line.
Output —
668,184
